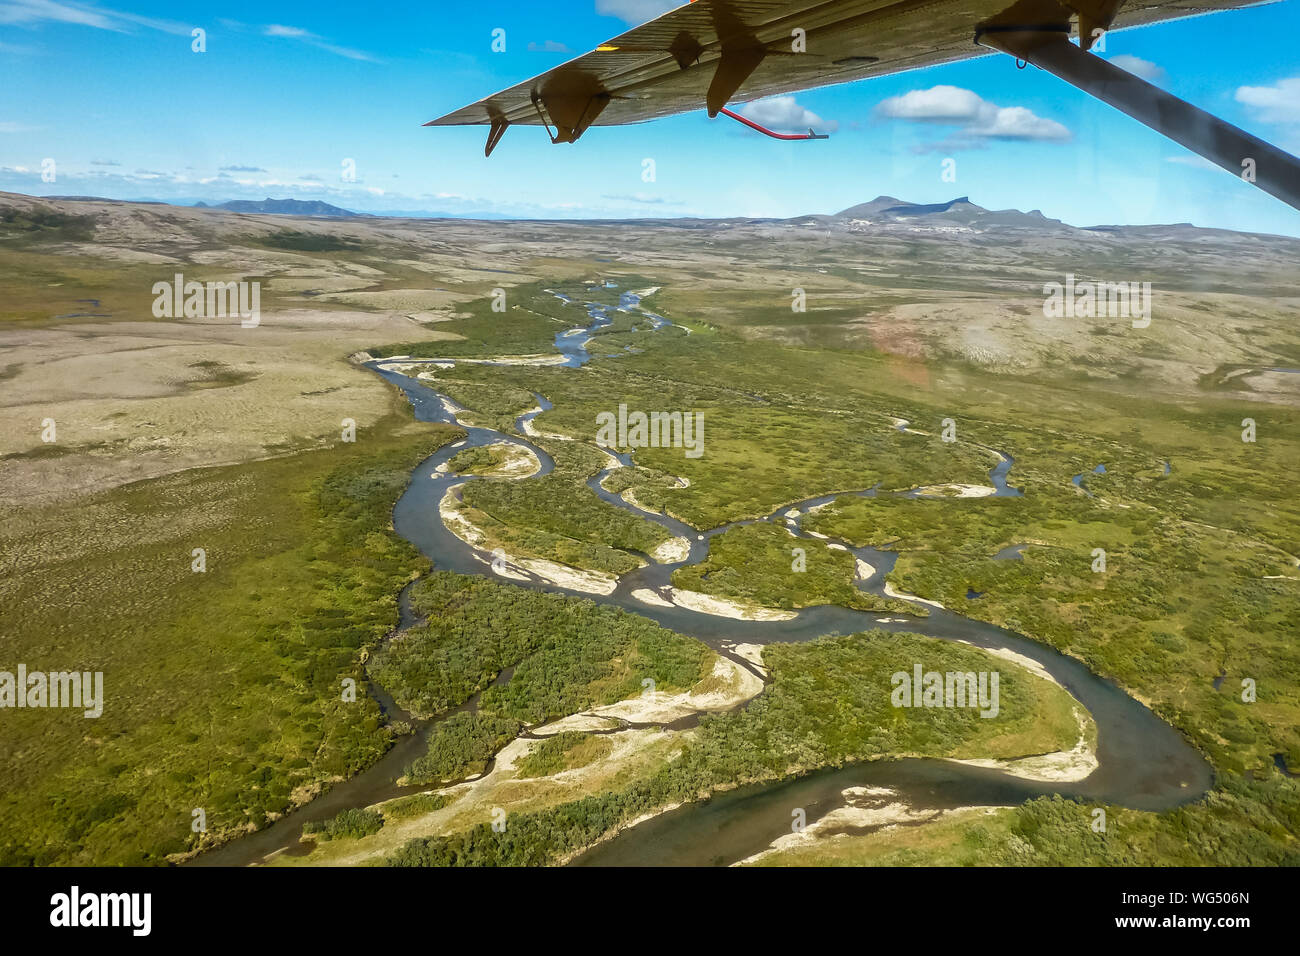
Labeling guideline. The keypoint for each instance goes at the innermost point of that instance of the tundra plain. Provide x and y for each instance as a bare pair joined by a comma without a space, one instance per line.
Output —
222,686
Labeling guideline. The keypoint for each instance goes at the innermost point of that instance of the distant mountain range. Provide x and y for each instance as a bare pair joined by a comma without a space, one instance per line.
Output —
955,212
284,207
882,209
314,207
884,213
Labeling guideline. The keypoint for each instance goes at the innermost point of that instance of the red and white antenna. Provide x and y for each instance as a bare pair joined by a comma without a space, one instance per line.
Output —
768,132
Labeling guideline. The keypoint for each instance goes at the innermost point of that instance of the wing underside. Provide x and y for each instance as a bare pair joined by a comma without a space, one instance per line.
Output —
672,64
714,52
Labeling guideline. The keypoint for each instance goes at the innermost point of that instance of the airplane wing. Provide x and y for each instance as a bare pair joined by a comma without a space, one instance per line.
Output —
713,52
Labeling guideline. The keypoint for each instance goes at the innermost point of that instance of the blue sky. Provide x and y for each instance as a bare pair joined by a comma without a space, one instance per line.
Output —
286,92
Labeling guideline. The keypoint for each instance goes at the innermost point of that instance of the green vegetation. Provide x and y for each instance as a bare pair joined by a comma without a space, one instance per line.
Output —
415,805
495,406
219,375
555,517
349,824
1194,557
461,746
752,435
529,325
1166,618
559,518
569,654
1243,822
756,564
308,241
224,689
567,750
38,284
44,225
483,460
651,489
1191,590
828,704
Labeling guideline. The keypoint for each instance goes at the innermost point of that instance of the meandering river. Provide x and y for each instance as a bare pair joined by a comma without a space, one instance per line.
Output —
1142,762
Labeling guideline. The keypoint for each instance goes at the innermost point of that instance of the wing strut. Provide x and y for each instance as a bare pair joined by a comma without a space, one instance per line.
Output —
1049,48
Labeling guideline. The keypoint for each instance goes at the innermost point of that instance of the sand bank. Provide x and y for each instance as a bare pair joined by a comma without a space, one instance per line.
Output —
891,591
671,551
725,607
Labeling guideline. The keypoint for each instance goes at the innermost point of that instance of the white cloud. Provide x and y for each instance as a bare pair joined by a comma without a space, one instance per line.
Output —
35,12
634,11
977,119
311,39
46,11
1279,103
348,52
277,30
1139,67
1020,122
939,104
782,114
642,198
548,46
